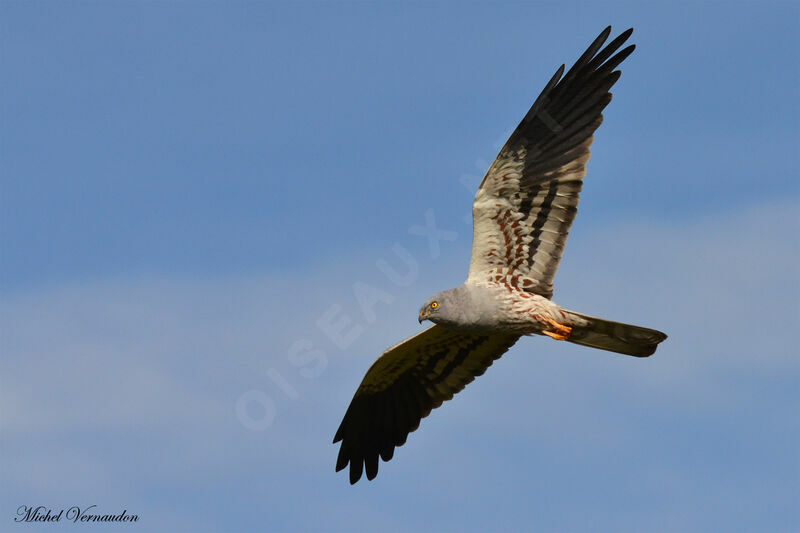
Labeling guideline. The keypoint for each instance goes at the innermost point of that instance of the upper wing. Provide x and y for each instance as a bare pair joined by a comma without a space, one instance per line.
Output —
528,199
402,387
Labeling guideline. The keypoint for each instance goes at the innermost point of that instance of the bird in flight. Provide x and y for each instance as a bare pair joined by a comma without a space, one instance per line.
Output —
521,216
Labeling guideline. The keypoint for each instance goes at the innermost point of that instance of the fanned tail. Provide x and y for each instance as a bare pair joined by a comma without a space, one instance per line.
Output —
615,336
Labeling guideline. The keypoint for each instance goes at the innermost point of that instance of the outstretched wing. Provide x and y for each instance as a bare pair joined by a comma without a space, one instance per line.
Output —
404,385
528,199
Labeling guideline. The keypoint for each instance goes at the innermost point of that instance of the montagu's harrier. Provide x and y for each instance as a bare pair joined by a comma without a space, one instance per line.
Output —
522,213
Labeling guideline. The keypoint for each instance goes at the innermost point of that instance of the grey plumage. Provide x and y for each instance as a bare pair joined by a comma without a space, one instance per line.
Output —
615,336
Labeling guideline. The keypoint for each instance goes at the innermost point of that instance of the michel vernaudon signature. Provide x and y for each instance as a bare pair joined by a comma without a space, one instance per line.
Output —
73,514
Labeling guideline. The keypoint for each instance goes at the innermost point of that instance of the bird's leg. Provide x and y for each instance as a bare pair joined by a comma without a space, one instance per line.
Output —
561,332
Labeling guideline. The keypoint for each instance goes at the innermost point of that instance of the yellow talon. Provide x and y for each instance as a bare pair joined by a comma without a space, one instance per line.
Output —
561,332
556,336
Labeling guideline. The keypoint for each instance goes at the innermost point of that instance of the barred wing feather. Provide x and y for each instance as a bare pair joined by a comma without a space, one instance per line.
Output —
526,203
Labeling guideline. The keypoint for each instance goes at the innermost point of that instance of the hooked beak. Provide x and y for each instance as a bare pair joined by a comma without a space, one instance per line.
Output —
422,315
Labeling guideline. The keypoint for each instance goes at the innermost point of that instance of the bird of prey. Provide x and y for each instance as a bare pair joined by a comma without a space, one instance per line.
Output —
521,216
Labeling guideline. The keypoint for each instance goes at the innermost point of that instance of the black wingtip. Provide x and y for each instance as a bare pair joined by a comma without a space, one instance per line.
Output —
596,44
620,39
624,35
356,467
341,461
371,466
615,61
625,52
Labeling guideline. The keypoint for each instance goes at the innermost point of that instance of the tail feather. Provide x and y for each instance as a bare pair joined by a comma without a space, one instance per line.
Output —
615,336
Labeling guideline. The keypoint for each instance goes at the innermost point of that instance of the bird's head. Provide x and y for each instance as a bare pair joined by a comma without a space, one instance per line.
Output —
440,308
429,309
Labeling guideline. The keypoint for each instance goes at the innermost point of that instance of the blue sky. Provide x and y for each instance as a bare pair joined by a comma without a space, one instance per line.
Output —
187,191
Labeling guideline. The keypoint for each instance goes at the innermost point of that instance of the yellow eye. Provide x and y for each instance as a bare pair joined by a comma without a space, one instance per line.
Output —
434,305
